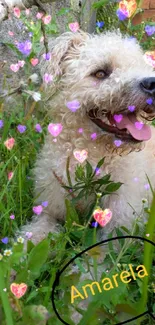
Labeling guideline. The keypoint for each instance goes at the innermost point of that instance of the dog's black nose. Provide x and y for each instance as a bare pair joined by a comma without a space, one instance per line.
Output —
148,85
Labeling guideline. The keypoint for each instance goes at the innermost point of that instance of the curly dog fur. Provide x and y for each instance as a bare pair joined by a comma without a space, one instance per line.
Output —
76,57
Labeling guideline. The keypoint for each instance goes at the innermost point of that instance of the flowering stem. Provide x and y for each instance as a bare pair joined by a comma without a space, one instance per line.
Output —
5,300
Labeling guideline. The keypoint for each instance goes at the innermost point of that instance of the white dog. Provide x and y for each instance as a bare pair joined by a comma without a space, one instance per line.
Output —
101,86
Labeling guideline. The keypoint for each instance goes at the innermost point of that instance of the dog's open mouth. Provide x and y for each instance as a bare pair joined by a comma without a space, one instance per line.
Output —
126,126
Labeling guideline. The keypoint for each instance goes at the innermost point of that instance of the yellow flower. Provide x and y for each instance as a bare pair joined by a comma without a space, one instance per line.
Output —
1,256
7,252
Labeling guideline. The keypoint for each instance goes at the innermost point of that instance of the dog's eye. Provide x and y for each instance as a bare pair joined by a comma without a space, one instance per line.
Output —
100,74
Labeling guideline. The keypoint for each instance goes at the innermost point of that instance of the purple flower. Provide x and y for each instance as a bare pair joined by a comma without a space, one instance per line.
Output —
47,56
30,34
100,24
147,186
38,128
150,30
25,47
12,217
21,128
44,204
121,15
1,124
94,224
149,101
5,240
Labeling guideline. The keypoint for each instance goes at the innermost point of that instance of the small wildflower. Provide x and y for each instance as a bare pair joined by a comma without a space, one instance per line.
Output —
20,240
29,235
147,235
21,128
1,124
12,217
100,24
21,63
11,33
16,12
34,78
94,224
27,11
38,128
47,78
147,186
10,175
1,256
150,30
46,19
39,15
25,47
45,204
36,96
7,252
122,15
47,56
5,240
9,143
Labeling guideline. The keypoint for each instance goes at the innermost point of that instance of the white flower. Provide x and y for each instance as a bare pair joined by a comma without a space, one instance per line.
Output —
34,78
7,252
1,256
20,240
36,96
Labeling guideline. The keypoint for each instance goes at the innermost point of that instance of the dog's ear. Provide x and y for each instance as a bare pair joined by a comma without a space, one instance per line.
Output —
59,48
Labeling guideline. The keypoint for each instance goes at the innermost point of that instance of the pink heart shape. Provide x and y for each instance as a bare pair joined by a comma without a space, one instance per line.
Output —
80,155
74,27
18,290
14,67
55,129
118,118
102,216
139,125
38,209
34,61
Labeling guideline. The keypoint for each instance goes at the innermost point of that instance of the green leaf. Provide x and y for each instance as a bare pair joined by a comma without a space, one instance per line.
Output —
79,173
100,163
113,187
71,214
89,170
38,256
119,233
99,4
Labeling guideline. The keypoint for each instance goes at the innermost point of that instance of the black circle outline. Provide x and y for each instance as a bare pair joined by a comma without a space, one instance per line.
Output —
58,274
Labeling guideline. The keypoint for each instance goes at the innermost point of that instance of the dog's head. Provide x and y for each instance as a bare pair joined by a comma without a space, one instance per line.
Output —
108,75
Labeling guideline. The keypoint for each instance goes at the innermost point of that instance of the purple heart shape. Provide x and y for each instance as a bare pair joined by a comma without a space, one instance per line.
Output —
117,143
118,118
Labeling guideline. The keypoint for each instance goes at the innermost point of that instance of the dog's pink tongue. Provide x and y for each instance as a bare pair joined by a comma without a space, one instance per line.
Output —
138,130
